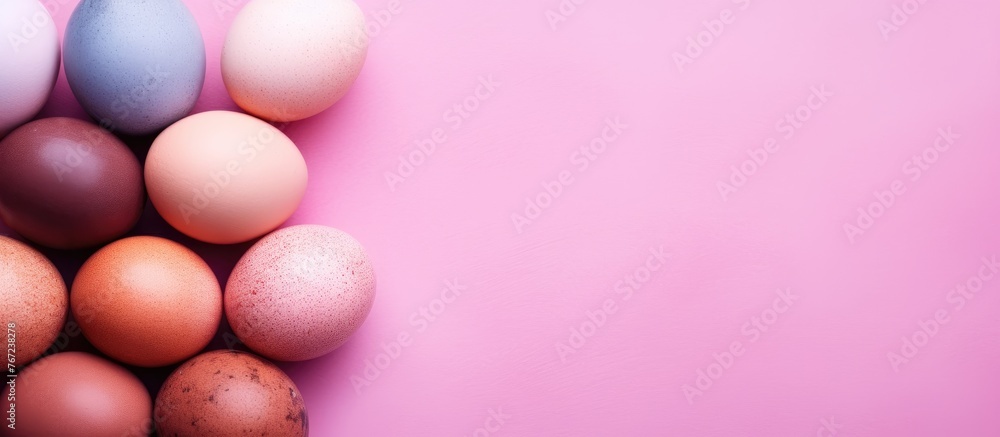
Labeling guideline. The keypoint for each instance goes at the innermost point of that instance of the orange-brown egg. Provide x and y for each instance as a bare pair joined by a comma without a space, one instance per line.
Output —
78,394
32,300
147,301
230,393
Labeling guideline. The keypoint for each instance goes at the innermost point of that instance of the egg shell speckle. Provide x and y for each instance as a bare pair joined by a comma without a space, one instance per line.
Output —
147,301
230,393
286,60
136,66
81,395
300,292
29,61
32,296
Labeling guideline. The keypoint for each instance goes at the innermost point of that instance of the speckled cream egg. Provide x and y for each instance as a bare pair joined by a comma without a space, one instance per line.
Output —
32,298
225,177
229,394
285,60
147,301
300,292
81,395
29,61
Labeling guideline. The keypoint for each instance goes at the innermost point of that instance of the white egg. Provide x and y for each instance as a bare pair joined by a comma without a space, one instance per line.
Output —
286,60
29,61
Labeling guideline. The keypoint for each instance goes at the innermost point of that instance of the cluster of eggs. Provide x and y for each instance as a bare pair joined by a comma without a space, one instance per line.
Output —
220,177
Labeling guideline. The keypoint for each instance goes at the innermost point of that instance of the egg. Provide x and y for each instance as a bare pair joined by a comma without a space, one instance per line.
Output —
81,395
225,177
230,393
68,184
286,60
29,61
33,299
147,301
136,66
300,292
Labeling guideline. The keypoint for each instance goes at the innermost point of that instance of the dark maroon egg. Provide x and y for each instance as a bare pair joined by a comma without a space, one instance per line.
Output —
68,184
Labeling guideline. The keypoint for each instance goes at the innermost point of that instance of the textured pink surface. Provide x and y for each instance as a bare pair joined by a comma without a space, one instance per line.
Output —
542,96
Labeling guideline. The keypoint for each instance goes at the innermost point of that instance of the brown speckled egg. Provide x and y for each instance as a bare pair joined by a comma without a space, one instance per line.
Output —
147,301
227,394
32,297
78,394
300,292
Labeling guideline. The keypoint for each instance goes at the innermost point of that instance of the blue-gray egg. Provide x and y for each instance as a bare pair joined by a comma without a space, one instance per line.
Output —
136,66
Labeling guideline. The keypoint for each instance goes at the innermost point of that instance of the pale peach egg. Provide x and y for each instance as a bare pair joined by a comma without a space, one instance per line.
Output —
225,177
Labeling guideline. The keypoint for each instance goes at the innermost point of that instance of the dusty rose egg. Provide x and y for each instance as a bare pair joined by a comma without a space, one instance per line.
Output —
147,301
230,393
285,60
300,292
225,177
32,297
78,394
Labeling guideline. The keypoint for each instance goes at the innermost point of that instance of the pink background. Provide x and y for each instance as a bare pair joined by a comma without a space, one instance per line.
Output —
822,365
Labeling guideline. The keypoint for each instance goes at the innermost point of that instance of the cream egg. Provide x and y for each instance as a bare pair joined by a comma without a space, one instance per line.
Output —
286,60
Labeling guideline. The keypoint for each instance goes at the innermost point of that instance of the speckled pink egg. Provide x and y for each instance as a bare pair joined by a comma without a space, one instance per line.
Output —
225,177
300,292
32,297
285,60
